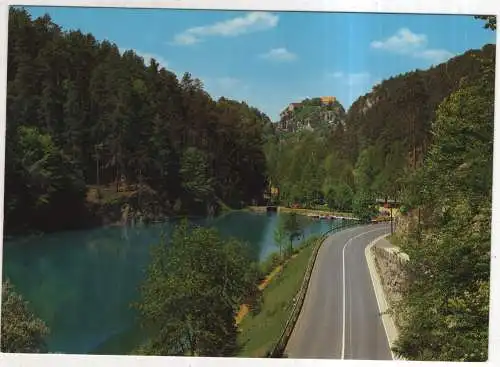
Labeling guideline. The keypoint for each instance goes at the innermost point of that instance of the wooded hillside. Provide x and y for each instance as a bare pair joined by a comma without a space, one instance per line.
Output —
80,113
385,137
313,115
424,138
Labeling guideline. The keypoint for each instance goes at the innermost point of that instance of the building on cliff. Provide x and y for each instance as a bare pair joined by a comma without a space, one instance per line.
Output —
327,100
310,114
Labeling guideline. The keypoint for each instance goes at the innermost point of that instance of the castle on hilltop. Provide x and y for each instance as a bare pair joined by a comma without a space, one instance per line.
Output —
327,100
324,101
290,122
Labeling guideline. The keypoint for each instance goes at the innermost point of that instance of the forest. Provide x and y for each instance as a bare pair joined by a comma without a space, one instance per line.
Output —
82,116
385,137
85,120
425,139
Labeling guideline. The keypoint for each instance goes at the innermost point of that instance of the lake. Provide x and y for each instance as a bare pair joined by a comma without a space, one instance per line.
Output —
81,283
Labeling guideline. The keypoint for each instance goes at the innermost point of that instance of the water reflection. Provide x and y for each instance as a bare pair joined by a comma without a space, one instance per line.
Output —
82,282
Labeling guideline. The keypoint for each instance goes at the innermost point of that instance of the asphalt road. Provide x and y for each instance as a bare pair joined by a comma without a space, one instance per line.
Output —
328,328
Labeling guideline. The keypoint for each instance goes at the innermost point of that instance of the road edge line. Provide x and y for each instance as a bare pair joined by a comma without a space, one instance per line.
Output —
302,293
342,353
383,306
346,245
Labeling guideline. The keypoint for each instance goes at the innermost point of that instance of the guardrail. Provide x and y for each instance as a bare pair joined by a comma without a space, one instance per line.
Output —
278,349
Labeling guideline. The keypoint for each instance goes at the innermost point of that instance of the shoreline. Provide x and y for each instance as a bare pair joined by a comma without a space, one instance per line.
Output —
306,212
109,344
258,332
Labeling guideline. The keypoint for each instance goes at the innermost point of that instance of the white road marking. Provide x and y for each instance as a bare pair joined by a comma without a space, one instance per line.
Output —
373,274
350,315
299,323
343,284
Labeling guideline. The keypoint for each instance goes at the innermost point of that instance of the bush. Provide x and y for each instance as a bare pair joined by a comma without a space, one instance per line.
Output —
216,272
22,331
403,210
268,265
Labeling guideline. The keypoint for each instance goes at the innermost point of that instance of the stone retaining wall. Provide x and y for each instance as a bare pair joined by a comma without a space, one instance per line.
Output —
390,267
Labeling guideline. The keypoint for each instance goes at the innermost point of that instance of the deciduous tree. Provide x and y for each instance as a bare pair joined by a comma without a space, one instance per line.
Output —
193,289
22,331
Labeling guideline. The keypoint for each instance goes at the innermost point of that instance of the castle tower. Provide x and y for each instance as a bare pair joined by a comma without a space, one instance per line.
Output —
327,100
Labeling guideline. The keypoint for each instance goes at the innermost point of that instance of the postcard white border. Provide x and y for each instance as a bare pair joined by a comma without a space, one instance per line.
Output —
490,7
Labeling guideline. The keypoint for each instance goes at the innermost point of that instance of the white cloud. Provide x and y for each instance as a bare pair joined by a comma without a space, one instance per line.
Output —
251,22
148,56
436,56
351,79
185,39
402,42
279,54
405,42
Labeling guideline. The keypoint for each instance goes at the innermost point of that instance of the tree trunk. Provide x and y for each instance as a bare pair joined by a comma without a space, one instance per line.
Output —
418,227
140,188
97,171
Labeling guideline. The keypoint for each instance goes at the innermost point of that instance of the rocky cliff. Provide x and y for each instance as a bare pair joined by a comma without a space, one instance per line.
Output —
322,113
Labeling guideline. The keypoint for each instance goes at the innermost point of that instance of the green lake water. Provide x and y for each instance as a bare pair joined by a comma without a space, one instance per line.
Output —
81,283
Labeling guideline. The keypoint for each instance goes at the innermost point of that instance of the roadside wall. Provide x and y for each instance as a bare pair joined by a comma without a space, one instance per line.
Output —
390,267
407,223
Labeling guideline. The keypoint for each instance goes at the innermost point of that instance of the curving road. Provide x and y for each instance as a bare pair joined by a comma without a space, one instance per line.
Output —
340,316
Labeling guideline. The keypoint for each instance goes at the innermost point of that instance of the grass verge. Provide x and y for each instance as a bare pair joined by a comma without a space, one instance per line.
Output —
259,332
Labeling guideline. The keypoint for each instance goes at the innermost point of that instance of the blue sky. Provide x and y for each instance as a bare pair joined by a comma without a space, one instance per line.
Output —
272,59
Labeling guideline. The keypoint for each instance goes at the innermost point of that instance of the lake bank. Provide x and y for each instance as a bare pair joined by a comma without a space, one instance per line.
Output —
127,342
259,332
306,212
96,273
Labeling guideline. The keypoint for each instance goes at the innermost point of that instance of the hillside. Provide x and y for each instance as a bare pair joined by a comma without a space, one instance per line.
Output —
81,113
424,138
316,114
366,152
403,107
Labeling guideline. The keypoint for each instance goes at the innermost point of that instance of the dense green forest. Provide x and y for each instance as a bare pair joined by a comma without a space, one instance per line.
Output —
81,115
446,304
445,308
424,138
385,137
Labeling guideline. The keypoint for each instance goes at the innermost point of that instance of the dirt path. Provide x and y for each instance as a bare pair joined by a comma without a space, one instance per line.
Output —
244,308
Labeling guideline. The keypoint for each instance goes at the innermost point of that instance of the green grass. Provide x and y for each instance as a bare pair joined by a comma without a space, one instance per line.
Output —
270,263
260,332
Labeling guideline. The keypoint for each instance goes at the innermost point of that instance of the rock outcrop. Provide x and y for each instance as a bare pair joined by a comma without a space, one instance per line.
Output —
320,113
